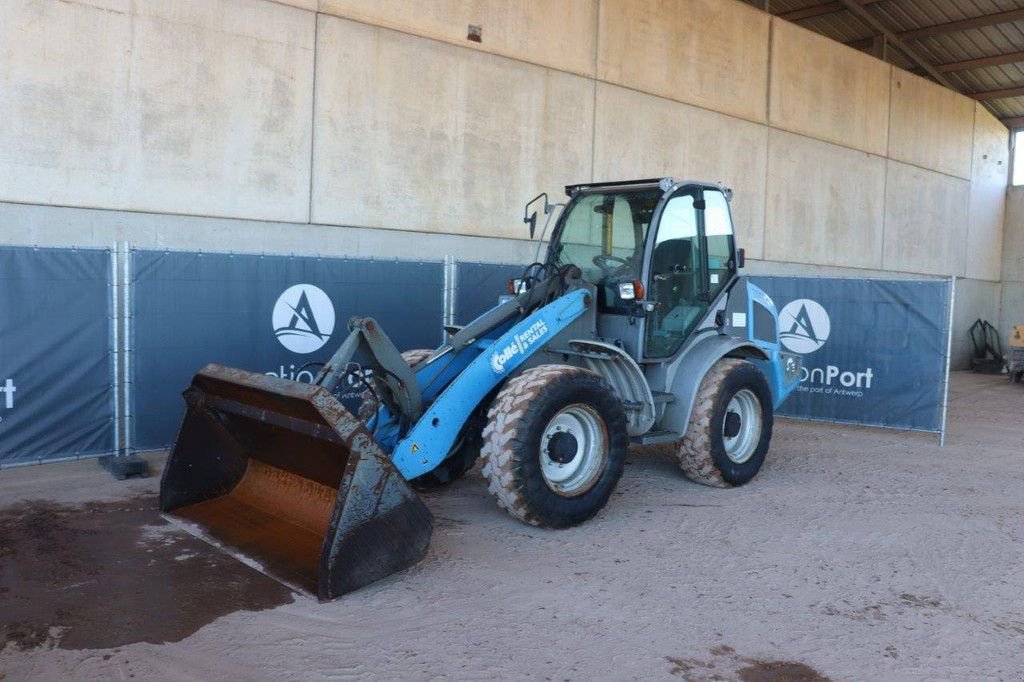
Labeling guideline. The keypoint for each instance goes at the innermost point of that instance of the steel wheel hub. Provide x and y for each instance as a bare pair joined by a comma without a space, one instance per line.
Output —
741,427
573,450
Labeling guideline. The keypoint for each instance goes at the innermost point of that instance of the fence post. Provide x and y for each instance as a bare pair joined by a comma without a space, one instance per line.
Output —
949,354
450,286
126,315
115,344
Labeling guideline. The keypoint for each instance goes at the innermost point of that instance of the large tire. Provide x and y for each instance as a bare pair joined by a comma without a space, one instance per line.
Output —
465,456
707,454
554,445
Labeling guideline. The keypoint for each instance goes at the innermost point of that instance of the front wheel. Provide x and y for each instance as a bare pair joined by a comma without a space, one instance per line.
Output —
730,426
554,445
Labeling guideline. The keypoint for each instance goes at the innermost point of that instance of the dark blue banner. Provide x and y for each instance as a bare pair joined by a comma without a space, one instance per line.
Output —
478,286
56,359
274,314
874,351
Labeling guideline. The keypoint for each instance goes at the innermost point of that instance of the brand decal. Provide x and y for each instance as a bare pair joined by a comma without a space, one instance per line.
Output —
520,344
804,326
303,318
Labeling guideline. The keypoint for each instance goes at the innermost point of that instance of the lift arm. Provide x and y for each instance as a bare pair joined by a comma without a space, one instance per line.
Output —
433,436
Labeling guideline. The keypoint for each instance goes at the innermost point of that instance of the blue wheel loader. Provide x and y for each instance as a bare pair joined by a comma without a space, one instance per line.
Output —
635,327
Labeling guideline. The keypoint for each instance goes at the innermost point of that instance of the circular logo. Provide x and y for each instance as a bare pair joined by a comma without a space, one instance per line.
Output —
303,318
804,326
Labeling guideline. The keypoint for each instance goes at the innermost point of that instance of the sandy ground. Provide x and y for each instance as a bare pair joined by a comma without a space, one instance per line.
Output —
857,554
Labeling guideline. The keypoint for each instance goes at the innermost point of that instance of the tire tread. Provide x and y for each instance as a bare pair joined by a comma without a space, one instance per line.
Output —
505,418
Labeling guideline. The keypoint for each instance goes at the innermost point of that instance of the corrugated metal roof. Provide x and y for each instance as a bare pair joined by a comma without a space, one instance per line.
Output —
950,46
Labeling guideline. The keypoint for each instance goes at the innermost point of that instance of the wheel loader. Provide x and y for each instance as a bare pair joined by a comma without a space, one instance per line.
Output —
634,328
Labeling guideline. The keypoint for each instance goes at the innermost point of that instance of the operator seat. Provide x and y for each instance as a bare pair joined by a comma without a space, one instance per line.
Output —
673,257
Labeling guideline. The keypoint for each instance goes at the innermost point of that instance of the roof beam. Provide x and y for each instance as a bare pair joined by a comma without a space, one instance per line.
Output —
1014,122
818,10
895,40
1002,93
982,62
964,24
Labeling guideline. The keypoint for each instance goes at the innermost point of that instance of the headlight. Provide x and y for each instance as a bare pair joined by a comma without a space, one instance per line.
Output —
631,291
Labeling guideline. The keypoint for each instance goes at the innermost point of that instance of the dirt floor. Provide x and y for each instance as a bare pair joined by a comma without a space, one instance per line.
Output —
857,554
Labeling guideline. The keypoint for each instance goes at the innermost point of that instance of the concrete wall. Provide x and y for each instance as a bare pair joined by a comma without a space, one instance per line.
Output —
199,107
1012,309
824,90
329,125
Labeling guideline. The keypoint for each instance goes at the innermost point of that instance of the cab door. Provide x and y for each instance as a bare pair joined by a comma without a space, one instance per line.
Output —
720,243
692,261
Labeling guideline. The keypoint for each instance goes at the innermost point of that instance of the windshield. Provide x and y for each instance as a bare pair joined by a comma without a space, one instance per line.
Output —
603,234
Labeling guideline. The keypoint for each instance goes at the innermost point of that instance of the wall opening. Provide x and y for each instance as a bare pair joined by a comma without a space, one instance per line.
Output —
1017,153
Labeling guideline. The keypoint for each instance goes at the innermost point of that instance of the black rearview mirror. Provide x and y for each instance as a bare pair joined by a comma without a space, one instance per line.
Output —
531,218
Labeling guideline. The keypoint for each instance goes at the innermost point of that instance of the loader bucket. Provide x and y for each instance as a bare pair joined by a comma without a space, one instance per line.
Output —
280,473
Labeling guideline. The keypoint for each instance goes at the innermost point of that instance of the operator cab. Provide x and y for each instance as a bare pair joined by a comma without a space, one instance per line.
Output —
658,252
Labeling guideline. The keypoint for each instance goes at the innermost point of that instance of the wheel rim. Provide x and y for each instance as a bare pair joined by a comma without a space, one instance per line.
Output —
573,450
746,408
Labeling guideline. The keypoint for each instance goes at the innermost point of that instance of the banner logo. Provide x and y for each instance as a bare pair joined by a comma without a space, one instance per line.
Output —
804,326
303,318
7,390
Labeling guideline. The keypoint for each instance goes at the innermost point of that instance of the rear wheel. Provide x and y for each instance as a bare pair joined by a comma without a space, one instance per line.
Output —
555,445
730,427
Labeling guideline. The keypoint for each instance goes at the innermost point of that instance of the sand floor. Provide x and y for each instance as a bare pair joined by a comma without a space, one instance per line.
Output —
857,554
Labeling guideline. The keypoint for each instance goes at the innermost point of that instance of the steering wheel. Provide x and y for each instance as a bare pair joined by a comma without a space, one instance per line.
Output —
608,262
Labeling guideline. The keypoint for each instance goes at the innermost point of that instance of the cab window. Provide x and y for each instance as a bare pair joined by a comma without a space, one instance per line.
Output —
718,230
604,234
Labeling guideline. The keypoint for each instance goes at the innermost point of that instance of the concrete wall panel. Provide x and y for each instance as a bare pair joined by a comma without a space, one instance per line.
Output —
930,126
711,53
925,221
198,107
988,196
643,136
974,299
561,35
416,134
1013,236
1011,308
824,90
826,204
310,5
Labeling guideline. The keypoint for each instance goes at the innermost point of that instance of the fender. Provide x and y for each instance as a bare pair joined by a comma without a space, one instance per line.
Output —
694,365
624,375
742,336
432,438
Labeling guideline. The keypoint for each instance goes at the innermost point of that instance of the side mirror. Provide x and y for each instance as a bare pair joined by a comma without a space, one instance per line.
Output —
741,258
531,219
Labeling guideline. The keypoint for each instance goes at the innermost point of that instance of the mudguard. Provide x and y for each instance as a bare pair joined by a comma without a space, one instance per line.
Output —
751,331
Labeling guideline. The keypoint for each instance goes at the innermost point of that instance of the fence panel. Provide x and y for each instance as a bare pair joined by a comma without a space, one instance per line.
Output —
274,314
57,397
875,352
478,286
